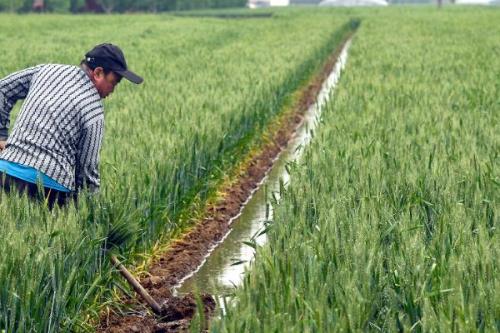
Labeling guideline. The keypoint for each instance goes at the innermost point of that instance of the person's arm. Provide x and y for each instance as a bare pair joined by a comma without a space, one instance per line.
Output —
13,88
87,164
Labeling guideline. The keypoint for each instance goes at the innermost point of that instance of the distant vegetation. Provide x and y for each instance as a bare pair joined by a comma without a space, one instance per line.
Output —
109,6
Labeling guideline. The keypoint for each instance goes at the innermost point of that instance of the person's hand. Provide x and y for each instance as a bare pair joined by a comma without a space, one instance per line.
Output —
2,145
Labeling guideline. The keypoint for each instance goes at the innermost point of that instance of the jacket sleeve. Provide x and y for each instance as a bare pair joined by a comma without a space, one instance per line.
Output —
13,88
87,163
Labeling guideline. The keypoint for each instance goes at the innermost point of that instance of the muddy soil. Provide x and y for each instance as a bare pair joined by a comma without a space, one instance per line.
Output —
186,255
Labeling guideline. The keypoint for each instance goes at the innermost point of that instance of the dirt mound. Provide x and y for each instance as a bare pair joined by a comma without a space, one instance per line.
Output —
177,313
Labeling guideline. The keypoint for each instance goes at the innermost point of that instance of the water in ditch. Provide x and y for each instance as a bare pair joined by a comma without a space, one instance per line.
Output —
224,268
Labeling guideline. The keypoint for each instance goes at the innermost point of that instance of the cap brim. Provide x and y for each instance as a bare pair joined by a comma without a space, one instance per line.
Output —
131,76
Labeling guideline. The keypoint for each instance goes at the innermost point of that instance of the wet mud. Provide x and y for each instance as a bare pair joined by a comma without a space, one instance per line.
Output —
187,254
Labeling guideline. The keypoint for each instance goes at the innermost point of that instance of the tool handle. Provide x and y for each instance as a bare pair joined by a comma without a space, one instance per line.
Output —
136,285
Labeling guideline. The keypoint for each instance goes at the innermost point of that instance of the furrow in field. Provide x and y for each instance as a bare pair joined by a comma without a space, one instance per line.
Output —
187,254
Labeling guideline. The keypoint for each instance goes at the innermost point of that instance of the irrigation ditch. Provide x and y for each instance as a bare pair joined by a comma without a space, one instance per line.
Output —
225,265
174,276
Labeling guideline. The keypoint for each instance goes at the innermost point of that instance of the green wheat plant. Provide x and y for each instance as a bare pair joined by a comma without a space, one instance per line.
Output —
391,220
211,87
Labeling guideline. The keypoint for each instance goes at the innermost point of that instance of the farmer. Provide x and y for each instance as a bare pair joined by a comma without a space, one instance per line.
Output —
52,152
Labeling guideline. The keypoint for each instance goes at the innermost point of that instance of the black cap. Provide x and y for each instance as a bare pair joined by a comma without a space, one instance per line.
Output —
109,56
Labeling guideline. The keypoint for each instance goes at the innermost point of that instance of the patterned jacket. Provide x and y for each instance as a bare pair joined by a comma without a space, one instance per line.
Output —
60,127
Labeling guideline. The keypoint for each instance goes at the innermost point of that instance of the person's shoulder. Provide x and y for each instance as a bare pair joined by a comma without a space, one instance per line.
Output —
75,74
69,68
53,66
57,68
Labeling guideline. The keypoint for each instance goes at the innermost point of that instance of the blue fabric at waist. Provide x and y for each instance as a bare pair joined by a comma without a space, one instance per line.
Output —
29,174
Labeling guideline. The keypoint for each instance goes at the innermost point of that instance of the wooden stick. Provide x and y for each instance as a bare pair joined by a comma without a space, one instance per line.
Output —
136,285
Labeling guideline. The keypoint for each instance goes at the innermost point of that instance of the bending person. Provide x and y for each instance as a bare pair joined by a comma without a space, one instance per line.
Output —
53,150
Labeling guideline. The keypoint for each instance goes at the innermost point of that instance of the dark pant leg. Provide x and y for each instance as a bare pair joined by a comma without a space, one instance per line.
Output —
9,183
59,198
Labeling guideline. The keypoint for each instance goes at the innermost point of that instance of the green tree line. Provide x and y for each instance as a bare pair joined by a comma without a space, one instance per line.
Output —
119,6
